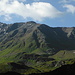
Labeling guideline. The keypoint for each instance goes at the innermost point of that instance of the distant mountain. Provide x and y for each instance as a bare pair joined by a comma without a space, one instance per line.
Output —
34,44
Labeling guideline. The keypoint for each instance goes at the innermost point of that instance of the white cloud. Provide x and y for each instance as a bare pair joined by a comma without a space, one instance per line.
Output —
7,18
36,10
66,1
22,0
70,8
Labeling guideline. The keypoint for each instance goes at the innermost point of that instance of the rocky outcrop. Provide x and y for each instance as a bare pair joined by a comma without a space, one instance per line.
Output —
63,70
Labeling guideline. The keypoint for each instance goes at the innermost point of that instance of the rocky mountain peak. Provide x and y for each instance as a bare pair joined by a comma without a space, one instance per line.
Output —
68,29
30,22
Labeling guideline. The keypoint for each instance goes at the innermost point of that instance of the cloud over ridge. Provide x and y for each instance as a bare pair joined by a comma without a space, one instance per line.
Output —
37,10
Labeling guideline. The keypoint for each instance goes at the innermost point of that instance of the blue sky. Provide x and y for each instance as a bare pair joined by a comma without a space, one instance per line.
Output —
55,13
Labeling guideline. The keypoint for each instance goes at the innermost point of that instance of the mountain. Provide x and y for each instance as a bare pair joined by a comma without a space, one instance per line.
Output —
37,37
38,47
